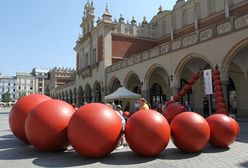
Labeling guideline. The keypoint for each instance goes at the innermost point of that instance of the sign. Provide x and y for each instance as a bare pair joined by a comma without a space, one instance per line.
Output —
208,86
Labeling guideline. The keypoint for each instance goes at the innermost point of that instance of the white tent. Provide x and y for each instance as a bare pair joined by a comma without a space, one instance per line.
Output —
122,93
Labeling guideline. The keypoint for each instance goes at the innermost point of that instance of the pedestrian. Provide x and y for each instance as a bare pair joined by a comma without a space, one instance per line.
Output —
205,107
143,104
123,122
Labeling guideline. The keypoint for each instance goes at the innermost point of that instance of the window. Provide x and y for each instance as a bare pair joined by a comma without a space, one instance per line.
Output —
13,90
31,87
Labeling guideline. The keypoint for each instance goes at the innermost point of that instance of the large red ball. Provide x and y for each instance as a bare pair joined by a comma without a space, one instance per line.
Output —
147,133
94,130
219,99
221,111
46,125
190,132
172,110
237,126
223,130
218,94
19,112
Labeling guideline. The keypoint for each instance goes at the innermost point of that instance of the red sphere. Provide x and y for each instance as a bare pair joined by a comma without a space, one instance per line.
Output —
94,130
176,98
219,99
217,88
218,94
223,130
221,111
46,125
190,132
147,133
182,93
19,112
196,76
126,114
216,77
217,83
172,110
186,88
237,126
191,81
220,105
216,72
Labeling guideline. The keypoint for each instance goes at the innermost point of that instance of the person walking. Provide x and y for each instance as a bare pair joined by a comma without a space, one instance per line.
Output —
143,104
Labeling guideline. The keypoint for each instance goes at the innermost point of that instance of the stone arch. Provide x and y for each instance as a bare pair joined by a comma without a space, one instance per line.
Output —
235,71
70,96
187,67
156,85
97,91
132,82
66,96
232,53
114,84
88,93
80,96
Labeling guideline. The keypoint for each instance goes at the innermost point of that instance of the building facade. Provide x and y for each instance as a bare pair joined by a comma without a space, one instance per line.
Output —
157,58
8,84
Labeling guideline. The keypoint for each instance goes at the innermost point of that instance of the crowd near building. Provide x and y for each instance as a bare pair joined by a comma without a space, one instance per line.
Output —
157,58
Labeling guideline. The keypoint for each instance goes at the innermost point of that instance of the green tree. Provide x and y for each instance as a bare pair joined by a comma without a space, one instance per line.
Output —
22,94
6,97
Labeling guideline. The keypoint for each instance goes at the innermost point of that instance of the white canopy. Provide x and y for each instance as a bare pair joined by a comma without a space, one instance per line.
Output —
122,93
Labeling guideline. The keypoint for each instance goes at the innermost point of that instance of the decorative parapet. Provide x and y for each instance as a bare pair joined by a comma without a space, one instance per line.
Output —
241,22
67,85
206,34
183,42
224,28
176,44
190,40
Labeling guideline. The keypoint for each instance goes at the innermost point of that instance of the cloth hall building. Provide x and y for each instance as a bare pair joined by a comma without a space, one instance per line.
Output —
158,57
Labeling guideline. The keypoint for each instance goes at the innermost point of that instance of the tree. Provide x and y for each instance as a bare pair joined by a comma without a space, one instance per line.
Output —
6,97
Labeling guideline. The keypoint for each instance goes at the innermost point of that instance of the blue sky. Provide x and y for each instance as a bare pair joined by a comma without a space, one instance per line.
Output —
43,33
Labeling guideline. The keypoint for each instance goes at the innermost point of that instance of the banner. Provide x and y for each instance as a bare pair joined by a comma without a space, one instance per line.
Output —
208,86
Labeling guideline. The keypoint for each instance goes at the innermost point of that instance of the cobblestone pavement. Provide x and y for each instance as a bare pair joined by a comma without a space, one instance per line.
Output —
15,154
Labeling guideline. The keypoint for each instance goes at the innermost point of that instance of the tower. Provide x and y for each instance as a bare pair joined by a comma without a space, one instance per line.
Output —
88,18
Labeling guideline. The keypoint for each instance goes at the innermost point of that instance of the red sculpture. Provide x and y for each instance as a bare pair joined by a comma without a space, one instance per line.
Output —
172,110
46,125
147,133
223,130
19,112
94,130
190,132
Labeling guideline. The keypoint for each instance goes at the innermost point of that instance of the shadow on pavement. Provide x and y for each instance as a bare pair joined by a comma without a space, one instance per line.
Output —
176,154
243,137
10,136
11,143
212,149
22,152
62,159
125,158
244,164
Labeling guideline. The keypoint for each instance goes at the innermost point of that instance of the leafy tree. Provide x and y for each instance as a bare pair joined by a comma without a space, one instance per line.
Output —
22,94
6,97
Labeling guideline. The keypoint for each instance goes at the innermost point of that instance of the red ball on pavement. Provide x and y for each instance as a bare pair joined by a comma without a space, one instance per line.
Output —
172,110
19,112
237,126
94,130
46,125
190,132
223,130
147,133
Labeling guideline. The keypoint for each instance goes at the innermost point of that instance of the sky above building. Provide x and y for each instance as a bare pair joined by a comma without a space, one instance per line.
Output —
43,33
